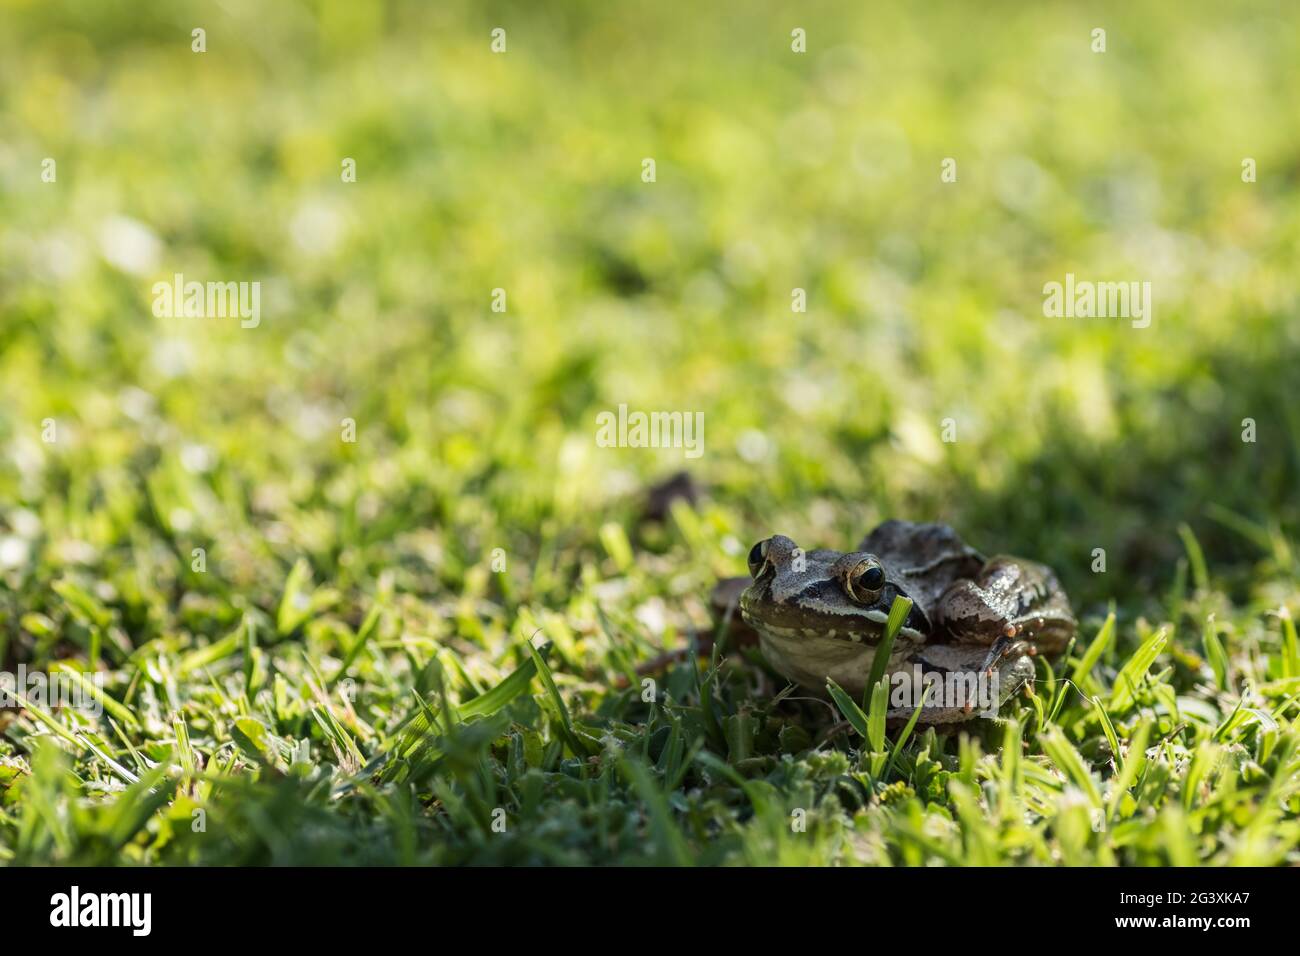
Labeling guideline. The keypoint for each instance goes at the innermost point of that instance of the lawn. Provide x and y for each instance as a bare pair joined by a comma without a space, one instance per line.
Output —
350,578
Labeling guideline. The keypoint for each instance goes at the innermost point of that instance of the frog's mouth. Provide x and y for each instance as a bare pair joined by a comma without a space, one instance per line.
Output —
804,620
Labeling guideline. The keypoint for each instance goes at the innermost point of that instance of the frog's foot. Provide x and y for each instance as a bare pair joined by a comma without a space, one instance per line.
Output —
952,684
1010,600
1007,645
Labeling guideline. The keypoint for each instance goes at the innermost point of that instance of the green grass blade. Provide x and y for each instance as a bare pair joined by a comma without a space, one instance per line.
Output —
1122,695
1130,765
1070,763
1290,644
368,629
1095,649
898,612
876,716
849,708
1195,557
904,736
1214,653
88,687
1107,727
576,745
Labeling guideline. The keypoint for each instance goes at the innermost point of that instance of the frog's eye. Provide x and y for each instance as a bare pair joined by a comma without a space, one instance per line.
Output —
758,558
865,581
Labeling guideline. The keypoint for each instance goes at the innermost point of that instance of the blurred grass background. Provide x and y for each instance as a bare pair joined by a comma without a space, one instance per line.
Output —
521,171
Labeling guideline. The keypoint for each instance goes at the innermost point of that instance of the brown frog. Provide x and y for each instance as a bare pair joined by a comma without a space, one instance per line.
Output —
975,623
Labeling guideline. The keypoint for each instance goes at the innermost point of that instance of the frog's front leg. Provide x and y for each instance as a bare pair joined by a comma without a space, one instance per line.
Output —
1017,605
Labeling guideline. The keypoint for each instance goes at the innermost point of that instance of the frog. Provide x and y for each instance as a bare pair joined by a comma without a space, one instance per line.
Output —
820,616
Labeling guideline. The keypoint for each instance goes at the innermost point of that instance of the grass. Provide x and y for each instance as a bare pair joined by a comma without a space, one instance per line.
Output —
449,611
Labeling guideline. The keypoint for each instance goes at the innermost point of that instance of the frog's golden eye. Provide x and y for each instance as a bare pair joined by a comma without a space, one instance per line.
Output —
758,558
865,581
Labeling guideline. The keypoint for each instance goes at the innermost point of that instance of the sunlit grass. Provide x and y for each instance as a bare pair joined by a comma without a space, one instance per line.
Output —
200,532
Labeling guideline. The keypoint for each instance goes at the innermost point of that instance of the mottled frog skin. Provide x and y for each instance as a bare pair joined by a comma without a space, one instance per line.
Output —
821,614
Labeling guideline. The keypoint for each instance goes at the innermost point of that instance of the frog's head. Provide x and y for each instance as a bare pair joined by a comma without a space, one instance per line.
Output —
828,594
